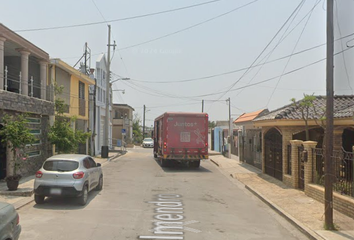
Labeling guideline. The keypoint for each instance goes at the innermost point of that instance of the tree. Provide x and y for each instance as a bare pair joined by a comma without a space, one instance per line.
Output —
16,134
309,111
138,136
211,124
65,138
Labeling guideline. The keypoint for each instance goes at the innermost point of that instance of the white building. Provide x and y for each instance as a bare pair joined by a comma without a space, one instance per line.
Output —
98,114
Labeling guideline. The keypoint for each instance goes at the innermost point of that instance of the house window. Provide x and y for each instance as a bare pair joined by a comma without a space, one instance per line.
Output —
81,90
82,105
33,153
35,131
34,120
35,143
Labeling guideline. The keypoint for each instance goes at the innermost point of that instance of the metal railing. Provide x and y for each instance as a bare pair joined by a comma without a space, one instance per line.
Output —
13,83
288,170
342,161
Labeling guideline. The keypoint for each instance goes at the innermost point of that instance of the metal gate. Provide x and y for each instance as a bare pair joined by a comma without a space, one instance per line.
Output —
273,154
301,161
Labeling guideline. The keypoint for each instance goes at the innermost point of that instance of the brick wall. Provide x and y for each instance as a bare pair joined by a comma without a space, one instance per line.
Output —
341,203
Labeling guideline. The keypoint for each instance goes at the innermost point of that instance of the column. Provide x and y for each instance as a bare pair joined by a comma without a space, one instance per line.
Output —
43,78
24,72
295,162
308,146
2,62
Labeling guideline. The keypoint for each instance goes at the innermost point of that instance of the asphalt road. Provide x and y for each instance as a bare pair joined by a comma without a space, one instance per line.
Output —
198,203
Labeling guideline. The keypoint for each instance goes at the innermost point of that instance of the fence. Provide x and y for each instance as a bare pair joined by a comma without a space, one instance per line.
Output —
342,161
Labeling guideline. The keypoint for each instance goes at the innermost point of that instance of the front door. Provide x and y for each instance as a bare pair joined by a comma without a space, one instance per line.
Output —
273,154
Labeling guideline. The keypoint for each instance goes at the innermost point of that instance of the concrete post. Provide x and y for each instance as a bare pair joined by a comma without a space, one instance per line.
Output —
24,71
295,162
43,78
2,62
308,146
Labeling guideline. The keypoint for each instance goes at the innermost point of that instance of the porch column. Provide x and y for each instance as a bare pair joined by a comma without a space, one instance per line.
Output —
43,78
2,62
24,72
308,146
295,162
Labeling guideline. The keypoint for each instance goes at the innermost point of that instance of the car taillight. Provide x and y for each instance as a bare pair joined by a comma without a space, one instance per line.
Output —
78,175
18,220
39,174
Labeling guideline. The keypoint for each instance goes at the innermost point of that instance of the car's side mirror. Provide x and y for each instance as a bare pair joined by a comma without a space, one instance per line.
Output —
98,164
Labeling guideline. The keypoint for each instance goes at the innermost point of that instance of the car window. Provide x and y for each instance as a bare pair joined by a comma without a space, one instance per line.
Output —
92,162
86,163
60,165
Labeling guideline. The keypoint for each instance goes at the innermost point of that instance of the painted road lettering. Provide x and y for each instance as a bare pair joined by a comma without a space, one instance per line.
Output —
168,221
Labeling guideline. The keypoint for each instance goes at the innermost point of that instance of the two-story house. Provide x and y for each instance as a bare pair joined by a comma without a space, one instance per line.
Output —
75,94
25,88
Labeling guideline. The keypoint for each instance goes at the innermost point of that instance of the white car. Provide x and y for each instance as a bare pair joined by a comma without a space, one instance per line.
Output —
68,175
10,227
148,142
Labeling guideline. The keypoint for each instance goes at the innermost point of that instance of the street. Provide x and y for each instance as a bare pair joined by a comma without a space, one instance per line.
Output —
203,203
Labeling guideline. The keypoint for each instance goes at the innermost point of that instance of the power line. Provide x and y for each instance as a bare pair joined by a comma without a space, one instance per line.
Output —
232,85
190,27
282,38
117,20
287,63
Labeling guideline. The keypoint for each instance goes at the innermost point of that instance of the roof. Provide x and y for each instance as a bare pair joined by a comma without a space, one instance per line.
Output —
250,116
343,107
66,67
75,157
120,105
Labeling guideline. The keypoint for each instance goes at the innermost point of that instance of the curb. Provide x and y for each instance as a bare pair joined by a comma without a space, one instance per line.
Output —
217,164
308,232
305,230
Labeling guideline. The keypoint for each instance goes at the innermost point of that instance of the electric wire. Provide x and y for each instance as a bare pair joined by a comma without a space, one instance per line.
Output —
289,59
190,27
268,55
341,44
232,85
117,20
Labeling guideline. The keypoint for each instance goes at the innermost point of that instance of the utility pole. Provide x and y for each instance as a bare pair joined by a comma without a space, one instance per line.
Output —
144,122
104,150
202,106
230,127
328,166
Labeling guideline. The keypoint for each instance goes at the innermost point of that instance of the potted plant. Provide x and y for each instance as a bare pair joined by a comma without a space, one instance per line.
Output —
15,134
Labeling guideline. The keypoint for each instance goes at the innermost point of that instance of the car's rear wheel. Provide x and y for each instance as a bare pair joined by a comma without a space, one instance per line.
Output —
39,199
100,184
84,196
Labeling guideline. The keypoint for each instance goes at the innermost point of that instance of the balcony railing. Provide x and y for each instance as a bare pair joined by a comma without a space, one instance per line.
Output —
12,83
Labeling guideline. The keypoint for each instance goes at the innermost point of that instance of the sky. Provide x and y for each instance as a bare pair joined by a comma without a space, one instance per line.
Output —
258,53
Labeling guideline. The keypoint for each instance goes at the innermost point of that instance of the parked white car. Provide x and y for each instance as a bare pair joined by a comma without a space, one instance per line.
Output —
68,175
10,227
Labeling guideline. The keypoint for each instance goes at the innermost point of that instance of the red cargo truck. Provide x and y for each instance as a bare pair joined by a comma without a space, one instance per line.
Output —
181,137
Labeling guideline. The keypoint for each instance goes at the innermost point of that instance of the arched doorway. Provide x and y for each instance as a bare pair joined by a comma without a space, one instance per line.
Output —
2,159
273,154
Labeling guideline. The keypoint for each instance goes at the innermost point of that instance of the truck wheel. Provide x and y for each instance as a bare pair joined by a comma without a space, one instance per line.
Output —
194,164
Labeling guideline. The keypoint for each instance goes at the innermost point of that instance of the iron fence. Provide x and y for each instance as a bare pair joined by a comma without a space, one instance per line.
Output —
342,161
289,160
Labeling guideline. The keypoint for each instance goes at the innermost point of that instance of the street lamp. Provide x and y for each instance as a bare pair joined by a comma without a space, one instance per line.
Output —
115,80
119,90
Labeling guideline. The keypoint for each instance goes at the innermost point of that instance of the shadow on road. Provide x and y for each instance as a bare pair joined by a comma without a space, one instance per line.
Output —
61,203
181,167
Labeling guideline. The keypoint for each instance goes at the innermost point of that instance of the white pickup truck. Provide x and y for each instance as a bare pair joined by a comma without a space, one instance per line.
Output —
10,227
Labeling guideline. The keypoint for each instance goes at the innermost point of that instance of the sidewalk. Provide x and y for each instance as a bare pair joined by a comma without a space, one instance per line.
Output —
302,211
23,195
